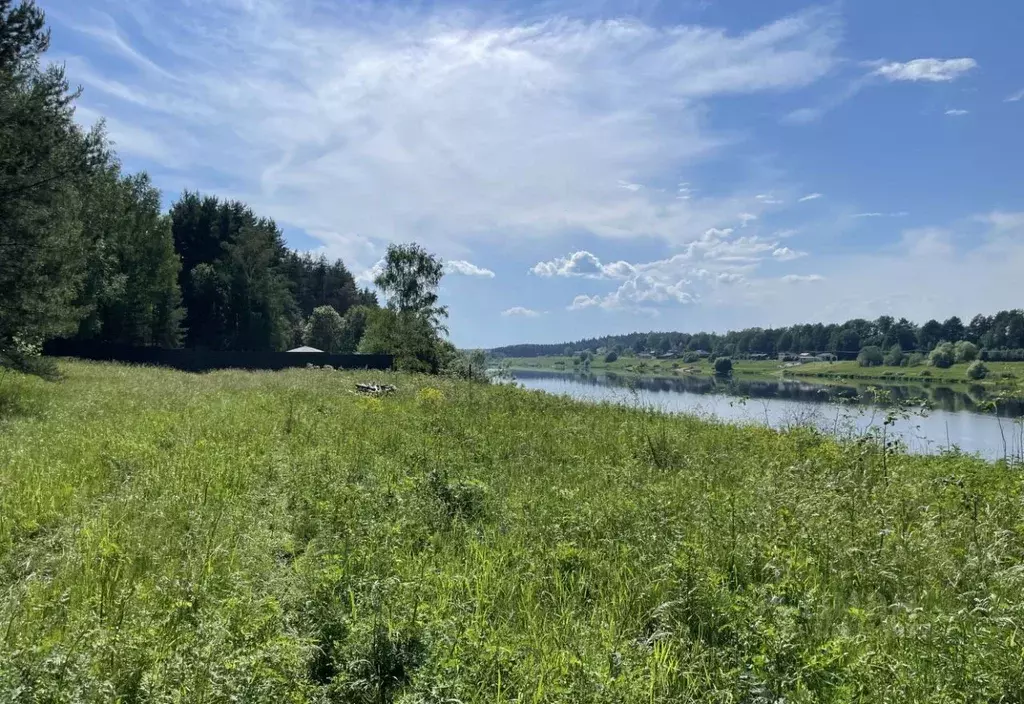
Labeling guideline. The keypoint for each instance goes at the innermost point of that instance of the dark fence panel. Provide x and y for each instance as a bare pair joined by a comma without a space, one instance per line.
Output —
207,360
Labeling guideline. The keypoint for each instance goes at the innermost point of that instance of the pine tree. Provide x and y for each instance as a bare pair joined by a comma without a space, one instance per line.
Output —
44,160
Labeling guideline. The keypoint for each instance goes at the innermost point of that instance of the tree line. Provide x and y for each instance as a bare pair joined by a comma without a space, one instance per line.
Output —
86,250
1000,337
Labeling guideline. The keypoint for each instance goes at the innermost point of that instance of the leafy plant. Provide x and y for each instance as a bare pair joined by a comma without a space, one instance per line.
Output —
870,357
943,356
723,366
977,370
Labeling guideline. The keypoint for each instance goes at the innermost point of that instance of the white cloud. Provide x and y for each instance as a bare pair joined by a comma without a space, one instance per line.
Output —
767,199
638,293
927,241
1002,221
810,196
519,311
802,279
746,218
368,275
460,127
583,264
465,268
634,187
923,275
935,70
785,254
1016,97
910,277
717,259
900,214
804,116
583,302
956,112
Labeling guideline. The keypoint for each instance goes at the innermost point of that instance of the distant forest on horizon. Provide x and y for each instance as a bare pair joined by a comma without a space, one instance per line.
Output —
1002,334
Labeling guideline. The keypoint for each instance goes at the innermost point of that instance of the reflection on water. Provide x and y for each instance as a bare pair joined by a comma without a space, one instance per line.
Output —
946,398
955,416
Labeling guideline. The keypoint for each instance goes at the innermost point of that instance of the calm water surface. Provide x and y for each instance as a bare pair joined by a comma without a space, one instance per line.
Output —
956,417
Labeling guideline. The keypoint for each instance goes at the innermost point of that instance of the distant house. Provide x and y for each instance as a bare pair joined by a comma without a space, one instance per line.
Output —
306,349
667,355
787,357
826,357
702,353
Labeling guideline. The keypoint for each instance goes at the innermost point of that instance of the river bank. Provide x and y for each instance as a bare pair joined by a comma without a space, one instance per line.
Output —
270,537
1004,377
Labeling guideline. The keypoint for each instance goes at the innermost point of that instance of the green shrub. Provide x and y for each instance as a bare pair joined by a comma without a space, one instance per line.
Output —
943,356
611,357
894,357
915,359
965,351
870,356
977,370
723,366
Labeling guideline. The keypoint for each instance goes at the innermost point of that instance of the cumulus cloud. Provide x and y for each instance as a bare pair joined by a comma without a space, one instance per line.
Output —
520,312
583,302
956,112
785,254
378,118
459,266
583,264
719,258
369,274
638,293
909,276
934,70
810,196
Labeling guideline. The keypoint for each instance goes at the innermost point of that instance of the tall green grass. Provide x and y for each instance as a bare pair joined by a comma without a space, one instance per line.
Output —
272,537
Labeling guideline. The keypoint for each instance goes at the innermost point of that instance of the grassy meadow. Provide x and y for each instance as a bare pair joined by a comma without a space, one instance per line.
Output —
273,537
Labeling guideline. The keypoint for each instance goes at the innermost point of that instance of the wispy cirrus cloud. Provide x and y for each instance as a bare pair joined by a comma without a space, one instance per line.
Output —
520,312
460,126
810,197
873,214
957,112
1015,97
930,70
802,278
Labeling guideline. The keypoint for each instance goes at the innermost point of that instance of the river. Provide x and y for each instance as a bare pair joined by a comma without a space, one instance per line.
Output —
956,417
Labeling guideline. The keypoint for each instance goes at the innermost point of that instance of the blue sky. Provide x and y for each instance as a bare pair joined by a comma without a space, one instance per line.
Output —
594,167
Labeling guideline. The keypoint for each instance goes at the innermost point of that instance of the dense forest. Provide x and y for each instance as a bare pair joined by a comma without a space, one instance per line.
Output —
1000,337
87,252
